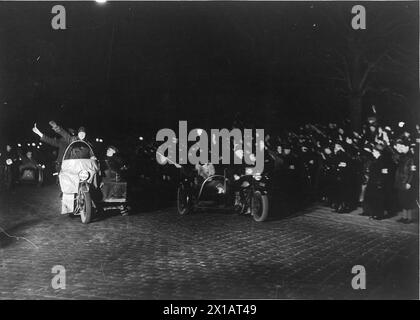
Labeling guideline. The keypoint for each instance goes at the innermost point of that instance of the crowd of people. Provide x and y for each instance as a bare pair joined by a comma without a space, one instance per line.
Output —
375,168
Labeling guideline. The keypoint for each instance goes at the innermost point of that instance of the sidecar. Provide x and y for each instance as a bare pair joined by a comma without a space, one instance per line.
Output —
195,192
216,191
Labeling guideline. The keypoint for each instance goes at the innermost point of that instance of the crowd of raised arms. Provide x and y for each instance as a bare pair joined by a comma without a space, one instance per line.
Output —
375,167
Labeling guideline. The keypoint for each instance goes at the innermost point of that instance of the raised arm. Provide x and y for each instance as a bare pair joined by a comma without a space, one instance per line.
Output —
51,141
62,132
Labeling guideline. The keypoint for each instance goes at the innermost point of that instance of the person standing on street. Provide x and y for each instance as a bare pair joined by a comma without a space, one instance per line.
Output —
406,180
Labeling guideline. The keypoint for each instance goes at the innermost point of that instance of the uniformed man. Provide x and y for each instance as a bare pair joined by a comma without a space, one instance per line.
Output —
380,183
406,180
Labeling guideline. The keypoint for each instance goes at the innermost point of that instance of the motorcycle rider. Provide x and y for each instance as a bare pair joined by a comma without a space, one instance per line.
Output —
82,151
113,185
60,143
64,141
28,162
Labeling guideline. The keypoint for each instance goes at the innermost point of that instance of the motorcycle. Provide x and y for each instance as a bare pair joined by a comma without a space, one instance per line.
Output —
79,179
253,195
248,193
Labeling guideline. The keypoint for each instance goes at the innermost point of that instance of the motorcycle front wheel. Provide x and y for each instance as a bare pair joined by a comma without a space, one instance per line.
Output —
259,206
86,208
183,201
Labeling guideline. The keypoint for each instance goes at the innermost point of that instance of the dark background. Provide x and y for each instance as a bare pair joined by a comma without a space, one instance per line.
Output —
131,68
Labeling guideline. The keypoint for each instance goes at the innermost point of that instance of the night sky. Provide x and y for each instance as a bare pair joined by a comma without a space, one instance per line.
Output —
135,67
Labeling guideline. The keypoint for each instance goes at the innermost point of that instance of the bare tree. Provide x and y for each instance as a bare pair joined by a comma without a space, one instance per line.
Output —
359,60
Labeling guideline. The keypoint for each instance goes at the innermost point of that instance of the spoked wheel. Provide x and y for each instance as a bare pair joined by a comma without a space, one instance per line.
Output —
259,206
239,206
86,208
183,201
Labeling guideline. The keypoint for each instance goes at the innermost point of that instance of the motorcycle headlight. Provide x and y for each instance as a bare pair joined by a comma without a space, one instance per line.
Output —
83,175
236,177
9,162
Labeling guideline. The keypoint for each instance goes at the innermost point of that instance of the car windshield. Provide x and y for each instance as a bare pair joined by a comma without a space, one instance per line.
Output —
78,150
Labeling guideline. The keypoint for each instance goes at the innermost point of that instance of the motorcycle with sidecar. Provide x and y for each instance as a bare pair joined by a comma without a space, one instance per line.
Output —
246,193
81,184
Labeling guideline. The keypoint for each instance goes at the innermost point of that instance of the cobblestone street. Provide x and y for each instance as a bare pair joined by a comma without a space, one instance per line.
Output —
161,255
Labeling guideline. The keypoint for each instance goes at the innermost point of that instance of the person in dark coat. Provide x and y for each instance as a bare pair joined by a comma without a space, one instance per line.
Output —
326,176
380,182
291,176
80,150
113,185
343,179
406,180
28,162
8,166
112,166
60,143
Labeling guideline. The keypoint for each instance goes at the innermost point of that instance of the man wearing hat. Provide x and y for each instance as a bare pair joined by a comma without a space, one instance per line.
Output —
406,179
343,176
379,188
83,152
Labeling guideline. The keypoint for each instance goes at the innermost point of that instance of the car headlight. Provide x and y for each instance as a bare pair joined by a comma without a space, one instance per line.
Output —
257,177
236,177
83,175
